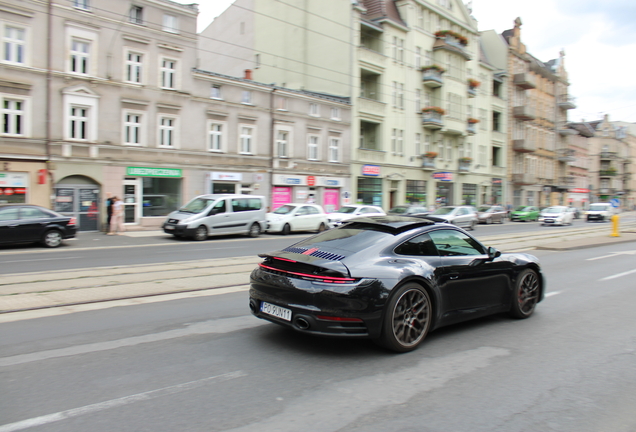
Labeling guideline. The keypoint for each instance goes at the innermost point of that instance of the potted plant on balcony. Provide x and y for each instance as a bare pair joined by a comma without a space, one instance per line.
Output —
430,155
435,67
472,120
441,34
473,83
465,160
433,109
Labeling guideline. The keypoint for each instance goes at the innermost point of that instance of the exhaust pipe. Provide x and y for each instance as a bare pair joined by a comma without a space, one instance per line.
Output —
302,323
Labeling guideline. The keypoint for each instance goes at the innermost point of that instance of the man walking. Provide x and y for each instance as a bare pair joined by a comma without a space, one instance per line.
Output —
109,210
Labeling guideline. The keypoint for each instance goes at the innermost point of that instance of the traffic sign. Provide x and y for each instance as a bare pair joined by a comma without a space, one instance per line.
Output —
615,202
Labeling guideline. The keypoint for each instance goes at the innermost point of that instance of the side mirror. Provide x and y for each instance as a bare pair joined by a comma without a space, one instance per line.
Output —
493,253
213,212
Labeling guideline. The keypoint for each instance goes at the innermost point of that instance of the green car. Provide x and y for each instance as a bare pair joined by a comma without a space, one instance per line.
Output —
525,213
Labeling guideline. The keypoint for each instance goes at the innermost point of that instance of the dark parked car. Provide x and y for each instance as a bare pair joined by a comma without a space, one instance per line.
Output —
409,209
392,279
26,223
489,214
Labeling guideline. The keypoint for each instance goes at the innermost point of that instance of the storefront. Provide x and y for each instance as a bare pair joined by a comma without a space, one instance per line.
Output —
370,186
469,194
579,198
79,196
497,192
416,192
150,193
443,188
322,190
14,187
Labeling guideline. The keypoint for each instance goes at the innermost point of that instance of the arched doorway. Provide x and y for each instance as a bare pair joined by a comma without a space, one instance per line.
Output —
79,196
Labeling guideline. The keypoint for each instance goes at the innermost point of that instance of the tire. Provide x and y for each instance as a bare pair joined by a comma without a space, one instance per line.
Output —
255,230
322,227
525,295
472,226
52,238
286,230
201,233
489,221
407,319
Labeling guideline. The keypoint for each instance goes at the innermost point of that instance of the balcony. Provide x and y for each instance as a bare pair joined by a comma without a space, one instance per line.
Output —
432,120
609,172
524,146
524,179
371,107
371,57
524,81
523,113
607,191
471,128
463,165
608,155
432,78
566,102
472,92
566,155
451,44
564,130
428,163
565,183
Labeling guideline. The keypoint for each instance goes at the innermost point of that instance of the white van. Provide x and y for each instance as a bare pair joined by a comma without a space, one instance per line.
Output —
218,214
599,211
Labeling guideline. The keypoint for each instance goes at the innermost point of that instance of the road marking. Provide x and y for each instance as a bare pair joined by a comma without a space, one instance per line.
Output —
617,275
613,254
553,293
39,259
114,403
220,326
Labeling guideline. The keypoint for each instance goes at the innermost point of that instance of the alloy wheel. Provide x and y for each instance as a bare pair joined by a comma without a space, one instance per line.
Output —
411,317
528,292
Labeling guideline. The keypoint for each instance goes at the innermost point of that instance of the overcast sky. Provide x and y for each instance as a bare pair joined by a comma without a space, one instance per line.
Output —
599,39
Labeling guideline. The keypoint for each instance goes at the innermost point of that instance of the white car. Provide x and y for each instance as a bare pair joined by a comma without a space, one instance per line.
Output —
297,217
353,211
556,215
463,216
599,212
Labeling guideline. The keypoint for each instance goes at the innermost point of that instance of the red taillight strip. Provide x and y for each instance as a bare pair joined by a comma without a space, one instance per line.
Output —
328,279
283,259
342,319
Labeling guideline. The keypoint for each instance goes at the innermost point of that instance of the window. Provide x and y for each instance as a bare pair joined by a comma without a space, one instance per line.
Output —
246,97
335,113
400,90
80,56
281,104
136,15
134,67
215,139
312,148
14,40
334,150
421,245
398,49
132,128
81,4
257,61
170,24
168,73
246,140
13,117
314,110
78,123
167,132
215,92
496,121
418,100
454,105
418,58
282,142
455,243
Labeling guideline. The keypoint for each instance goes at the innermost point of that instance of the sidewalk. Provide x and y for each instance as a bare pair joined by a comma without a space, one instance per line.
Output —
31,291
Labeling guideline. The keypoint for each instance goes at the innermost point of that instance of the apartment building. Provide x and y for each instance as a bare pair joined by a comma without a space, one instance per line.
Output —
422,90
114,103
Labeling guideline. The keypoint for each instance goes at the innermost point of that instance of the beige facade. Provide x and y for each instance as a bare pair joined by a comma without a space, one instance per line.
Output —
117,106
387,56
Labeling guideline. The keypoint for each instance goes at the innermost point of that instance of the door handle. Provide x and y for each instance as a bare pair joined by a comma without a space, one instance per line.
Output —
453,276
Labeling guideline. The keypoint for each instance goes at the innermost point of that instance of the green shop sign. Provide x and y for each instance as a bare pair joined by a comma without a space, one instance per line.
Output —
153,172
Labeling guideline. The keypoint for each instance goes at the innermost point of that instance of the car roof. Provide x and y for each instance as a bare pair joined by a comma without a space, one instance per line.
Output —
395,224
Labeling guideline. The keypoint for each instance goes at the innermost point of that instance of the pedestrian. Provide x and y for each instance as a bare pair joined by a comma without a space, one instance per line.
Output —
117,219
109,210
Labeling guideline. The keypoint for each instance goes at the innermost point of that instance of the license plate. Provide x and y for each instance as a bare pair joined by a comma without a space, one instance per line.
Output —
277,311
168,227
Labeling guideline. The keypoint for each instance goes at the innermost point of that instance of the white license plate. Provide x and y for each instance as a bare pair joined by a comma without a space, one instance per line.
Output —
168,227
276,311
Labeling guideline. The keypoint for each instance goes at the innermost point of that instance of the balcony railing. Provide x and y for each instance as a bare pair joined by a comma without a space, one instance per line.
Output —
432,120
524,80
565,130
523,112
471,128
428,163
611,172
371,106
371,57
566,102
463,166
608,155
472,92
450,43
524,146
524,179
432,78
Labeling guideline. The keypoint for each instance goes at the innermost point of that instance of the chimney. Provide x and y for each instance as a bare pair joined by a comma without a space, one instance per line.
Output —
248,74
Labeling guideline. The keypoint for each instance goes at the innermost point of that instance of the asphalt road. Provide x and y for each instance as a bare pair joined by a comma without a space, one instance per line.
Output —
96,249
205,364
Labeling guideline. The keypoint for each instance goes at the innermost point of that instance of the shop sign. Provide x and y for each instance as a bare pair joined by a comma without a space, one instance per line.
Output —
11,179
237,177
371,170
311,181
289,180
443,176
496,181
153,172
580,190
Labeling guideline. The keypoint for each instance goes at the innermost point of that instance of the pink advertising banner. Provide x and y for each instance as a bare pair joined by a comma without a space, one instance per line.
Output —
280,196
330,200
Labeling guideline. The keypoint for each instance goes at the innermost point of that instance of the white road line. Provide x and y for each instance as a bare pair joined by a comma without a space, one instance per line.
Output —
220,326
553,293
617,275
601,257
113,403
40,259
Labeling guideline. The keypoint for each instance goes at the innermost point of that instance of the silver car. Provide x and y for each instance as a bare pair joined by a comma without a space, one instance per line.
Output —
491,213
463,216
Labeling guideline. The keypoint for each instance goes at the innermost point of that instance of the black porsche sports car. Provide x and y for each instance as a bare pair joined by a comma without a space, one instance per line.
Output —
392,279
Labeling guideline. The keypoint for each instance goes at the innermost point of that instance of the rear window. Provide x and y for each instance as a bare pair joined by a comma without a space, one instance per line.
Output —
246,204
599,207
344,241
